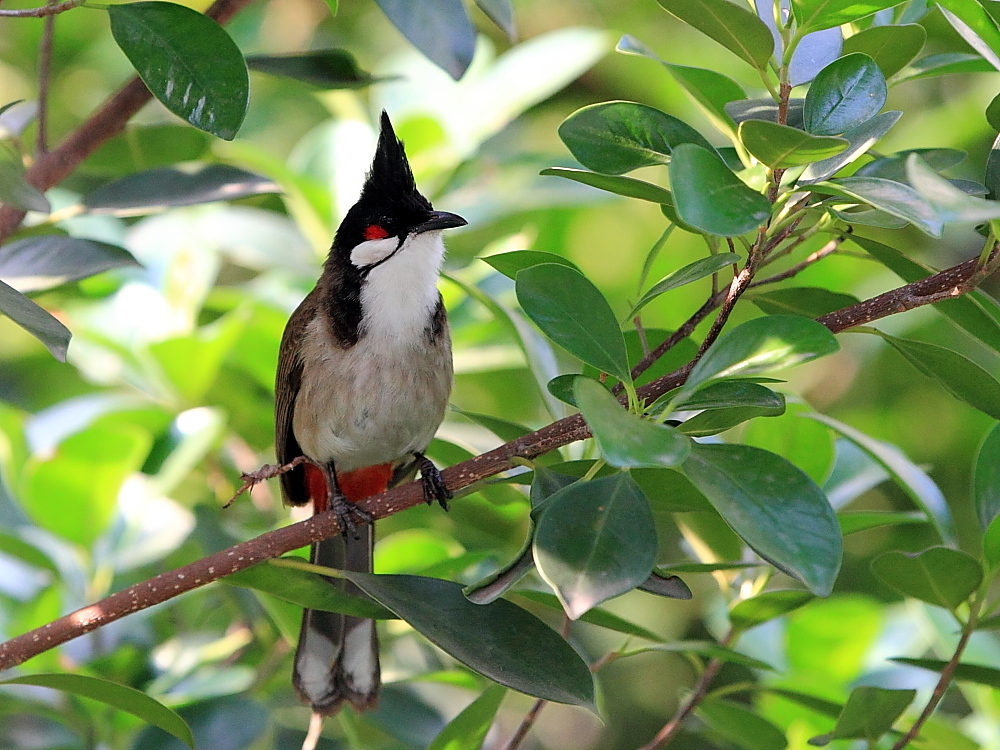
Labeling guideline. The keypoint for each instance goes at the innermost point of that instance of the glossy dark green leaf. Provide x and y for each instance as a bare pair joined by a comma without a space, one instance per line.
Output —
467,731
517,260
709,197
808,301
892,197
938,575
966,311
944,63
306,589
35,320
993,112
617,184
499,640
572,312
860,138
975,26
16,191
152,191
868,714
596,616
893,166
949,202
719,420
960,376
49,260
440,29
766,109
327,68
757,610
187,61
699,269
741,726
986,481
781,146
500,12
854,521
813,15
122,697
626,440
977,673
504,578
669,491
767,344
727,394
846,93
562,388
774,507
617,137
732,26
594,541
891,47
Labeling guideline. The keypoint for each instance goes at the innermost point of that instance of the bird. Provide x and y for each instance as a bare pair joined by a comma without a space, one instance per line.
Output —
364,375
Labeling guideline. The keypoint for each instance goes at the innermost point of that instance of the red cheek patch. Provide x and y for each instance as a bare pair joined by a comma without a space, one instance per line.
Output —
375,232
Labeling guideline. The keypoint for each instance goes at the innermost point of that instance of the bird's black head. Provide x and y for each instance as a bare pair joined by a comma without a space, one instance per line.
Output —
390,204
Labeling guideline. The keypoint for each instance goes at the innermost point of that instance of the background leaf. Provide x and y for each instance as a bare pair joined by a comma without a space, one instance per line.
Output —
732,26
328,69
986,482
891,47
35,320
46,261
440,29
762,608
468,730
938,575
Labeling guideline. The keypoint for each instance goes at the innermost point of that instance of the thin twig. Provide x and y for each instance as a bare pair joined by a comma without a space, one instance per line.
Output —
47,10
827,249
526,724
44,74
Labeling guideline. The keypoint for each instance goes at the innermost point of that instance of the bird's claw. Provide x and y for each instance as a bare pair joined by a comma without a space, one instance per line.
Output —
346,512
432,482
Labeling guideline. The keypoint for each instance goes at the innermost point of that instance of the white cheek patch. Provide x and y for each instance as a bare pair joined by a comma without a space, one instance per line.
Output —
372,251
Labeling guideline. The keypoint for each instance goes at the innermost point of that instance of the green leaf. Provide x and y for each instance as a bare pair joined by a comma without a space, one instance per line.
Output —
762,608
122,697
719,420
705,567
951,204
910,478
819,705
595,540
868,714
807,301
780,147
813,15
960,376
774,507
187,61
734,27
306,589
975,26
977,673
699,269
854,521
892,197
846,93
671,587
149,192
991,544
993,112
625,440
572,312
502,428
707,649
709,197
860,138
986,480
617,184
50,260
467,731
938,575
966,311
766,109
15,190
802,442
944,63
327,68
617,137
741,726
499,640
35,320
891,47
727,394
440,29
517,260
893,166
500,12
596,616
762,345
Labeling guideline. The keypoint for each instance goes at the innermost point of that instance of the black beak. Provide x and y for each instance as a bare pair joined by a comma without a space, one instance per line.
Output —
439,220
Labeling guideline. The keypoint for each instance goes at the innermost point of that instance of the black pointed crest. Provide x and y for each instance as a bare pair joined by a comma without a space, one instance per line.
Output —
390,173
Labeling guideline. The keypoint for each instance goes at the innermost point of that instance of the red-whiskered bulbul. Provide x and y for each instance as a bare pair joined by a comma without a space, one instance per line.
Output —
364,375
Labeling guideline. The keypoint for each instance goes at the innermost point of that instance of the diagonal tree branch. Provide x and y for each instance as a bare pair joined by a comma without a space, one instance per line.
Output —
948,283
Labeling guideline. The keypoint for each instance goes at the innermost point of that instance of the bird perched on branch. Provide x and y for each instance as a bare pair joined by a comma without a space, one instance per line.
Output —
364,375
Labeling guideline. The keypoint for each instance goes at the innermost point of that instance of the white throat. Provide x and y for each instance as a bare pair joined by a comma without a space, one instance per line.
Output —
399,296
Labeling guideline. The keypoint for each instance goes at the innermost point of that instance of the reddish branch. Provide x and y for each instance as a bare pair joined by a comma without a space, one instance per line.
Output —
53,167
165,586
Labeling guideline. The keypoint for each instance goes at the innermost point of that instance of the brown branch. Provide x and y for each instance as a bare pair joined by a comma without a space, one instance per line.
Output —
526,724
53,167
323,526
46,10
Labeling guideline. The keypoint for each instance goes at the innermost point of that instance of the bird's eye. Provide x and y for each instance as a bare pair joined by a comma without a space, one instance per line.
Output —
375,232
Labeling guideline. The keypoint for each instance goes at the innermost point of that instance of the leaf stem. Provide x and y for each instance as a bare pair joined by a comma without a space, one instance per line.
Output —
44,74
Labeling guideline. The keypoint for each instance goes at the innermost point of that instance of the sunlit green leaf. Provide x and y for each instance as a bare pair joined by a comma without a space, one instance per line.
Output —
975,26
846,93
699,269
709,197
741,726
780,146
813,15
617,184
860,138
892,197
986,484
468,730
868,714
944,63
810,302
187,61
891,47
734,27
938,575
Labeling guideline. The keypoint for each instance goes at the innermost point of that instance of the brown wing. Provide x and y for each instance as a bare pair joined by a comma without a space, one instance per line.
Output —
286,390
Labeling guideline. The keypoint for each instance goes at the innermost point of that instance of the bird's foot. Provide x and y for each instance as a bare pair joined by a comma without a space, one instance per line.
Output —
346,512
432,482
